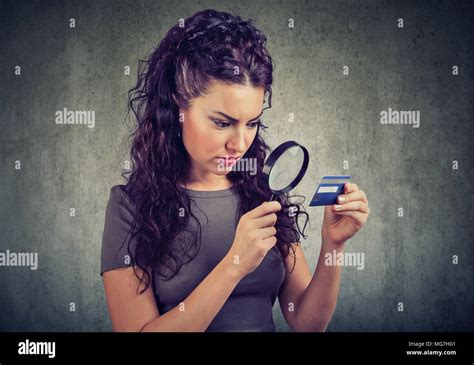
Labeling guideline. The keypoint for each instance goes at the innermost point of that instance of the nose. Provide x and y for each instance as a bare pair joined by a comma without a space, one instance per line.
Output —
237,142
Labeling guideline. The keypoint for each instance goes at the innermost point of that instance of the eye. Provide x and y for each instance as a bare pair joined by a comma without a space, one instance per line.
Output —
221,124
254,124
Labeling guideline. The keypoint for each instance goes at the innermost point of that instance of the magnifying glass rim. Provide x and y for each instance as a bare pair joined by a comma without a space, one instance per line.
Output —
275,155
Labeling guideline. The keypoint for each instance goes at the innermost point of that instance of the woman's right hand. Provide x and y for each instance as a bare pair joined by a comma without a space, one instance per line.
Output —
254,237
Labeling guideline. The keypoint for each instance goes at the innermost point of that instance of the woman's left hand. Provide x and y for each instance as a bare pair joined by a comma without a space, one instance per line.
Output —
344,220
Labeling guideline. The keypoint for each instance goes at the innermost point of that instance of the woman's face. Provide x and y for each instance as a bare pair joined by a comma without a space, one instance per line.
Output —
220,126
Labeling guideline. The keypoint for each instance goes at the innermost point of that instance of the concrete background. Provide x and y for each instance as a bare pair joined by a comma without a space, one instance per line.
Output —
408,259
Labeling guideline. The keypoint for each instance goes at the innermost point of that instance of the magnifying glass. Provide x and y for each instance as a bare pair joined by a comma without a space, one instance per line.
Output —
285,167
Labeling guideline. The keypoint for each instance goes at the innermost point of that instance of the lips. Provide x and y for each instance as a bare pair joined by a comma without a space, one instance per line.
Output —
228,160
229,157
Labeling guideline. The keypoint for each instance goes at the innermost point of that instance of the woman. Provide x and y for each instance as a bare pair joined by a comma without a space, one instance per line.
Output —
191,242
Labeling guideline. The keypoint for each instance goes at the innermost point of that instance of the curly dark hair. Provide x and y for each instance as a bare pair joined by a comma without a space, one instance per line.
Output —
189,58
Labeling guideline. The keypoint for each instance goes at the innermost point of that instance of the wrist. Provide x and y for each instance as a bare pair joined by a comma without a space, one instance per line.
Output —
331,244
231,268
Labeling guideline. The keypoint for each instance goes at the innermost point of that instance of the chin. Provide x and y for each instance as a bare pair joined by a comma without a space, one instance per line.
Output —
215,169
221,173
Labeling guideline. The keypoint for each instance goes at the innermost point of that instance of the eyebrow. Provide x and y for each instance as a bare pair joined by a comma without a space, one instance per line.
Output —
236,120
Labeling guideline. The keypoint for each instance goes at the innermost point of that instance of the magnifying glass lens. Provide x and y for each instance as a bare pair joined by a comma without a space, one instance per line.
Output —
286,168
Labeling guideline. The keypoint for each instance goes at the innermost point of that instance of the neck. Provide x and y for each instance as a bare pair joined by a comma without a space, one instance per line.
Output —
203,185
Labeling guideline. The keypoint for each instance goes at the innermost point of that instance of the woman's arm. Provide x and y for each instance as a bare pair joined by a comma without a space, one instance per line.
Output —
318,302
133,312
308,301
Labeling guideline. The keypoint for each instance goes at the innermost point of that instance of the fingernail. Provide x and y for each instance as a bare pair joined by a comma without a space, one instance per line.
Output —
337,207
341,199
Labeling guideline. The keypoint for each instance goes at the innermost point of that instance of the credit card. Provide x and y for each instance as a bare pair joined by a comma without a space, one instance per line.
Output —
329,189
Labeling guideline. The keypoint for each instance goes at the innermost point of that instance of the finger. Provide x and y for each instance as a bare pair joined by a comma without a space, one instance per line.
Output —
266,221
349,197
270,242
266,232
349,187
264,209
359,217
354,206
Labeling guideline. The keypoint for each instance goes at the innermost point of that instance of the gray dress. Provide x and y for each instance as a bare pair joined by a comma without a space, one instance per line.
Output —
248,308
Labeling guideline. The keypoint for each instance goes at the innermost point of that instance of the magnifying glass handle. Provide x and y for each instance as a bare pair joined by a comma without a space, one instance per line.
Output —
272,197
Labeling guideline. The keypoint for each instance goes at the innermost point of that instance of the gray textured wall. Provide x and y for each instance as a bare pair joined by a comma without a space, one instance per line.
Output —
408,259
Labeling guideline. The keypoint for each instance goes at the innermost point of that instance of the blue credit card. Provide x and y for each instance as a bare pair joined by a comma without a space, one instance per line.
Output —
329,189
